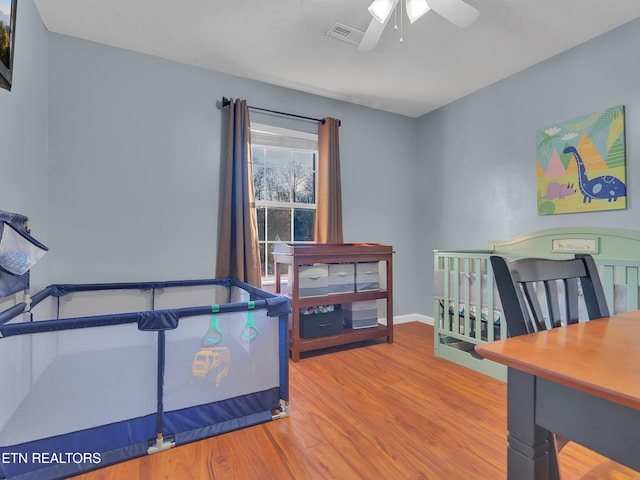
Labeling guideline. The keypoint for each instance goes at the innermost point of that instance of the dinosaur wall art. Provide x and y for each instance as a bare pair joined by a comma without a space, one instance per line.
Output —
604,187
581,165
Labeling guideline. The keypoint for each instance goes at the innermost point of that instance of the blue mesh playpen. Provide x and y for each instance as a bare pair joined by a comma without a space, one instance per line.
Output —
96,374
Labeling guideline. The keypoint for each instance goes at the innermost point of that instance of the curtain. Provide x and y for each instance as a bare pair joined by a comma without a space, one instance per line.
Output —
238,251
328,221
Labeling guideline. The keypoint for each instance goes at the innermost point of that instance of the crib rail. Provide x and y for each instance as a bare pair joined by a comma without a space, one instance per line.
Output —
470,284
465,299
467,309
620,281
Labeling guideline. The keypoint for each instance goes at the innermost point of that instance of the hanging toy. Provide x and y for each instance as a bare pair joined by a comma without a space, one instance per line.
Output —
250,331
214,334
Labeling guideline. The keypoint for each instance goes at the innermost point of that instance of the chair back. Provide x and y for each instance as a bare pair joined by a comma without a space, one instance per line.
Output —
540,293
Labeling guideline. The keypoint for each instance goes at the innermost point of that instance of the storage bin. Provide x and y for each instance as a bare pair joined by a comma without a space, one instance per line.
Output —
313,280
341,278
361,314
367,276
320,321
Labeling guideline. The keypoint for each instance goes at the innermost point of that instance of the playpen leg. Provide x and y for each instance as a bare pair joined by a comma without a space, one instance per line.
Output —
160,443
283,413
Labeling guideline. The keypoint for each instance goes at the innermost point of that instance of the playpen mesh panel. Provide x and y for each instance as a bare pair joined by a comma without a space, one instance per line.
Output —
8,302
240,361
113,301
179,297
15,372
75,380
47,309
104,302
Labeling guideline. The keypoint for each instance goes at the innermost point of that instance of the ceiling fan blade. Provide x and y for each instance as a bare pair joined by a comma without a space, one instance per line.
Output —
373,33
460,13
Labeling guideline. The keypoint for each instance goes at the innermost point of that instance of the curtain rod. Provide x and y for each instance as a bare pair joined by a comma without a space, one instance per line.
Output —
226,102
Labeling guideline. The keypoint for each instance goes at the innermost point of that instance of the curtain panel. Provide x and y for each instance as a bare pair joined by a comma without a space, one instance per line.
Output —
328,220
238,251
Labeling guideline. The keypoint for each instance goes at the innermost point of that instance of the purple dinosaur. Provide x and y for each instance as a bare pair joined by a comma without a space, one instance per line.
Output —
557,190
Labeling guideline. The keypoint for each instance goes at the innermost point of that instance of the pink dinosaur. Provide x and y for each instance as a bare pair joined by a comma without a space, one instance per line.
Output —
557,190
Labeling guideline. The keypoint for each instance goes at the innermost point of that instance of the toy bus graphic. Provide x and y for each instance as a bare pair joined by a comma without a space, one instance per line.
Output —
211,360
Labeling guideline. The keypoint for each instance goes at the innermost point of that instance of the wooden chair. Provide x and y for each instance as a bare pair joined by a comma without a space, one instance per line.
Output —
563,282
537,294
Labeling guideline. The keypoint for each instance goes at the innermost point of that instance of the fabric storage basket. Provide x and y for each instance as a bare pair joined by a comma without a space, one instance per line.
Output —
341,278
19,251
361,314
313,280
367,276
320,321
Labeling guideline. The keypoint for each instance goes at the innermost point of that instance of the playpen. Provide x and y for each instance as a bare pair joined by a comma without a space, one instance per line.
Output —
467,306
96,374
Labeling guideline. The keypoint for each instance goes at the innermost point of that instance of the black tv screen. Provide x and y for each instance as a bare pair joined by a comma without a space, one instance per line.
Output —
7,39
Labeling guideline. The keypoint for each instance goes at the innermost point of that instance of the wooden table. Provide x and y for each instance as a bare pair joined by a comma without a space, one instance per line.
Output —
580,381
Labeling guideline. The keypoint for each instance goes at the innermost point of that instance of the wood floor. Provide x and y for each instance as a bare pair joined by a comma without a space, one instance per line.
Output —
379,411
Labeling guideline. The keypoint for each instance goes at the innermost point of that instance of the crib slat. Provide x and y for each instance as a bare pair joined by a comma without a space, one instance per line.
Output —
456,295
490,303
607,278
445,305
473,268
466,329
632,288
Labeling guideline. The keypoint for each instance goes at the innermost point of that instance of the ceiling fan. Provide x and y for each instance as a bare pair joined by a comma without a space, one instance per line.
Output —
458,12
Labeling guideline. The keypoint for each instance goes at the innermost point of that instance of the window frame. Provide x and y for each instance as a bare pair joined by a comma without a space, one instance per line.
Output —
274,137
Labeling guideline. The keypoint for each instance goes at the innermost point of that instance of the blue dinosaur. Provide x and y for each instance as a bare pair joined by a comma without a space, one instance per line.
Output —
602,187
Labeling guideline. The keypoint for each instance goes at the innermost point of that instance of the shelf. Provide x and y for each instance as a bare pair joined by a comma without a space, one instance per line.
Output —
347,336
335,298
308,254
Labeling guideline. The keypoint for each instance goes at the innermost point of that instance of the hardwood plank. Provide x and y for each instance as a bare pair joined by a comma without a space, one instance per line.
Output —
380,411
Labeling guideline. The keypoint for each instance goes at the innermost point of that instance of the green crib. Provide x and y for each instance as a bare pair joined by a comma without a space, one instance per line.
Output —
467,308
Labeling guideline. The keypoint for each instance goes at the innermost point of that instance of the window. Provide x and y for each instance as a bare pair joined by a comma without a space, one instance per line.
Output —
284,179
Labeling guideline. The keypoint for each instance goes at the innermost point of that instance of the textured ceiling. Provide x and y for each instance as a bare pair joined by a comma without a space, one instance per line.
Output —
284,42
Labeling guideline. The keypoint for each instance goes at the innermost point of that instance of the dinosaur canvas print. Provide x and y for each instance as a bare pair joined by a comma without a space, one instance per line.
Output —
580,164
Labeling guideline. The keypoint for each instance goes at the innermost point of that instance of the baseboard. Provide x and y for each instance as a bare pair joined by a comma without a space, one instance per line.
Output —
411,317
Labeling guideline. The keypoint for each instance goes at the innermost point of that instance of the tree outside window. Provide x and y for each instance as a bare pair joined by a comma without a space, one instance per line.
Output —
284,173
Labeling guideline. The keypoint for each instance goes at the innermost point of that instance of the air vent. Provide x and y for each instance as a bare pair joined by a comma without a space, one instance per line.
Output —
345,33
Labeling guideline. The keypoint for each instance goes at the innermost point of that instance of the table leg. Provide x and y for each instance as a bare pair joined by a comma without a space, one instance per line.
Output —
528,455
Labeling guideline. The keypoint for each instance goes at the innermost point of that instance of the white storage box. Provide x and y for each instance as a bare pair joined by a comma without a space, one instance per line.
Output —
367,276
342,278
360,314
313,280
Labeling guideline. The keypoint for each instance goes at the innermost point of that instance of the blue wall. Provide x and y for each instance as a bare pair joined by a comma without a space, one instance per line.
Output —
116,157
23,129
135,144
479,153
